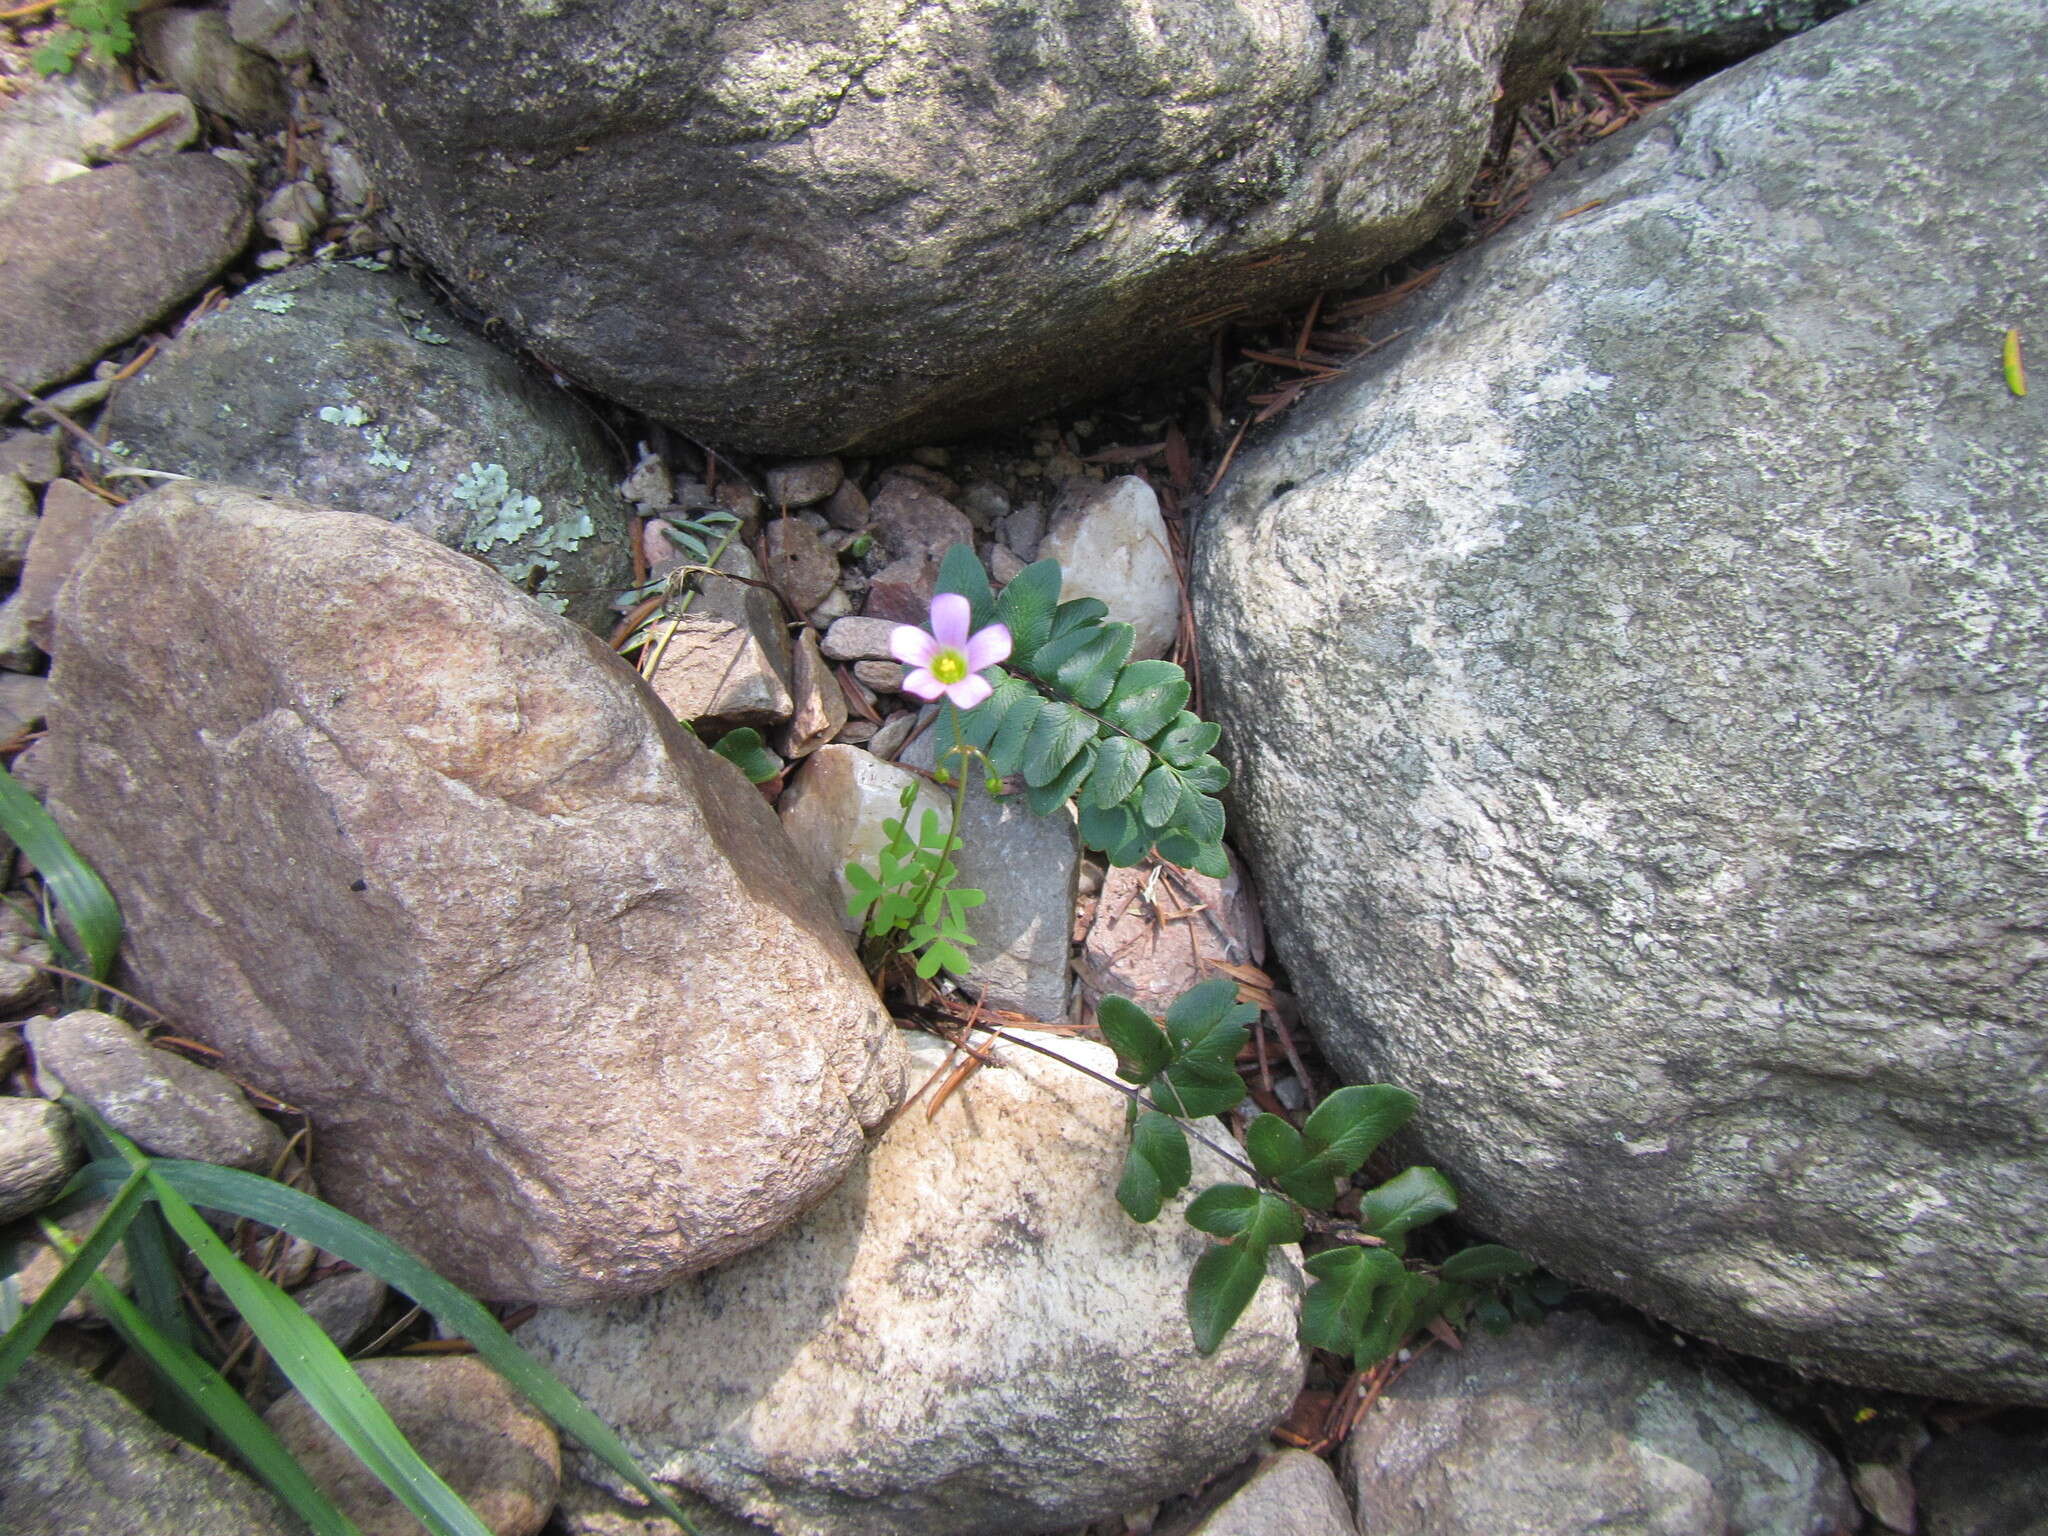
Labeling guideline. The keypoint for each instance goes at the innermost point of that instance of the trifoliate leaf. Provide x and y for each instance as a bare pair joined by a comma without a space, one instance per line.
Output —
1156,1167
1119,765
1223,1210
1160,796
1187,739
744,750
1027,606
1351,1122
1056,736
1013,736
1338,1308
1089,672
961,572
1275,1146
1047,799
1105,830
1221,1287
1071,615
1199,815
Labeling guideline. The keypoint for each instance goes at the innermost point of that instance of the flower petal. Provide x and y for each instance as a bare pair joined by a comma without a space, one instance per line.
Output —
912,646
923,684
951,614
988,647
966,693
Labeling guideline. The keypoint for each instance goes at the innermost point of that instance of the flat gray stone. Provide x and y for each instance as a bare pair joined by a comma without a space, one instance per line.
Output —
833,812
196,51
359,390
1695,34
76,1457
38,1151
163,1103
859,639
98,258
1581,1426
19,518
137,126
344,1305
1613,671
1029,867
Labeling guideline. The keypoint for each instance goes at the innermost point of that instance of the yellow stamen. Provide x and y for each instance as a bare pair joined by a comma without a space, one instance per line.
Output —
949,666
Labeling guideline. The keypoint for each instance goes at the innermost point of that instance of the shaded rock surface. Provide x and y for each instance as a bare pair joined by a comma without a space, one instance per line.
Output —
38,1151
1691,34
1984,1482
880,222
165,1104
833,812
89,262
1580,1427
485,1440
359,390
1633,686
968,1338
427,860
76,1456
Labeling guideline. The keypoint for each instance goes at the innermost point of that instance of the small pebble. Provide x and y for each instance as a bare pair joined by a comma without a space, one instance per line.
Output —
856,732
858,639
894,732
34,456
882,676
1003,566
134,127
847,507
837,605
805,482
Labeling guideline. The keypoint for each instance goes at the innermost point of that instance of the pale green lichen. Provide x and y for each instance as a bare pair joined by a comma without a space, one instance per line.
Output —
378,438
275,303
499,513
426,333
345,415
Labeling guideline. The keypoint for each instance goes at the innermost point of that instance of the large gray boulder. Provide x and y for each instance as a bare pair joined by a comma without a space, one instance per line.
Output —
1633,684
358,389
432,863
802,226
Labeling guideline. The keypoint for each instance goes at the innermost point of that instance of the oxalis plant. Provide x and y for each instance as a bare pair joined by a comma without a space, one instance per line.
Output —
1082,725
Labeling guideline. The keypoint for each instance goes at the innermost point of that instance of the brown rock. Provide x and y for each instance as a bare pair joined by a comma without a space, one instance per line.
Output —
17,523
882,676
428,860
857,639
901,591
717,672
820,702
91,261
805,482
485,1440
1158,930
72,519
33,456
847,507
911,519
798,562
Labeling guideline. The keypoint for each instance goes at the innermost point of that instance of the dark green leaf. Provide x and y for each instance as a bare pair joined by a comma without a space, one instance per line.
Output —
1408,1200
978,725
1059,733
1275,1146
1223,1210
1200,816
78,889
1391,1321
1196,1014
1156,1168
1187,739
1494,1317
743,748
1013,737
961,572
1338,1307
1212,861
1221,1287
1026,606
1119,765
1550,1290
1072,615
1351,1122
1485,1263
1147,696
1105,829
1313,1184
1196,1088
1090,672
1159,796
1044,799
1205,774
1141,1047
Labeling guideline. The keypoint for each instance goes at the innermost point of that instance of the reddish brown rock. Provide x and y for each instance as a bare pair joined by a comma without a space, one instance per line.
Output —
72,518
1158,931
910,519
430,861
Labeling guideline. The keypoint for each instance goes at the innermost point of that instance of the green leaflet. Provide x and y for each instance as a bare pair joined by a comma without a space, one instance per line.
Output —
1156,1168
76,885
743,748
1406,1201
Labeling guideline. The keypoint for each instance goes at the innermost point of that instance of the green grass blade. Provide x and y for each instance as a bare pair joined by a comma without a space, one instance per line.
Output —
26,1334
277,1205
81,892
323,1376
201,1388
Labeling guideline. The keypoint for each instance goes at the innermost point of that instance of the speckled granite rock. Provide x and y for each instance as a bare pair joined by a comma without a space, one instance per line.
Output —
1633,682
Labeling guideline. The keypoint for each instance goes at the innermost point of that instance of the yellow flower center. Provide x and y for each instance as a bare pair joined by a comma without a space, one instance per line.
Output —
949,666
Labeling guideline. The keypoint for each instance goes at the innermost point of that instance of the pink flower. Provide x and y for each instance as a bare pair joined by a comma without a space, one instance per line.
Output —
946,663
